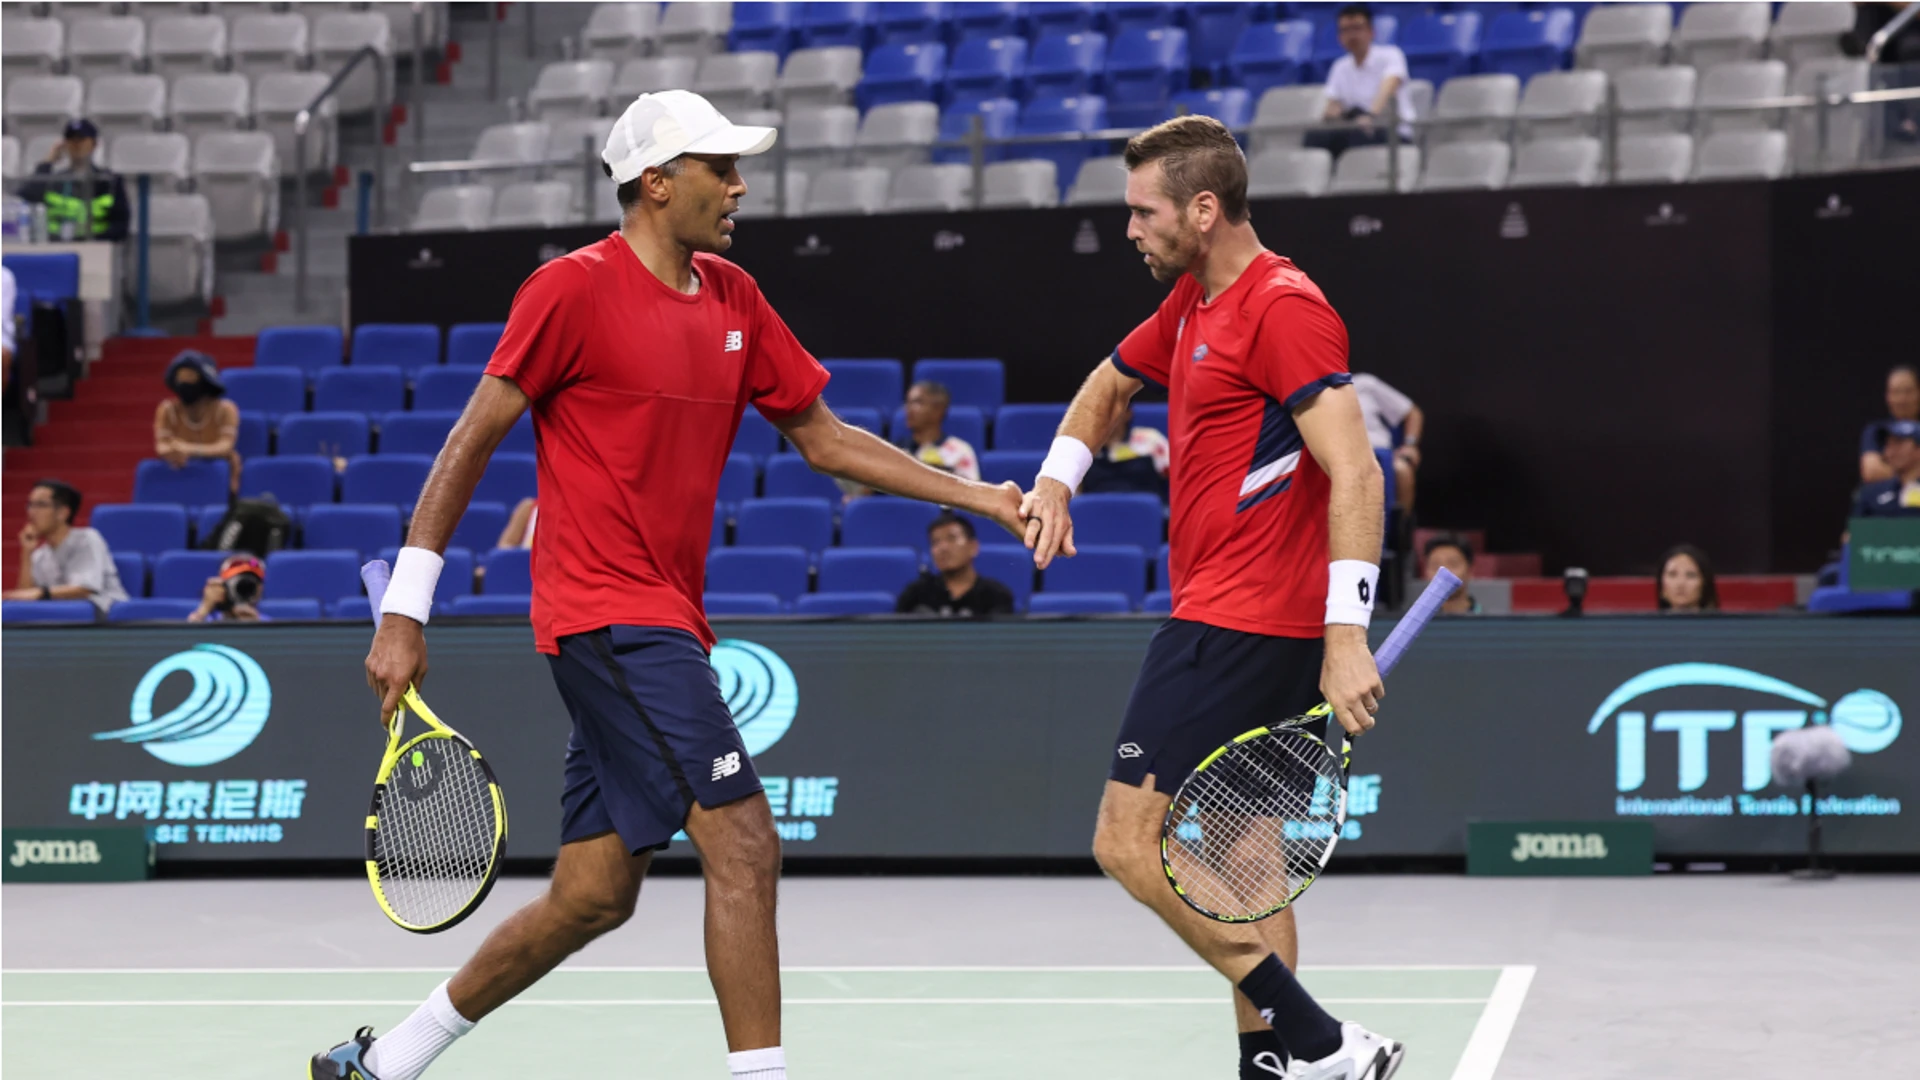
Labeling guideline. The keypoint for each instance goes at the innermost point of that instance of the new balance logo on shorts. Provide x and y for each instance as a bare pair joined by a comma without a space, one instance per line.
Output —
1130,750
736,340
726,766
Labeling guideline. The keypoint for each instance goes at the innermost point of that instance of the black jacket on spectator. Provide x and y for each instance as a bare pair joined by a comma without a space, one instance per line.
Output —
929,596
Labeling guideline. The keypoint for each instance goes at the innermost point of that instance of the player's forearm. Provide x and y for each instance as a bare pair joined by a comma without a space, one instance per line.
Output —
1355,512
1099,407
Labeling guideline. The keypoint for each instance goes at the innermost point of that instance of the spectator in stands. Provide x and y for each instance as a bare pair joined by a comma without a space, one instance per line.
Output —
1455,553
1134,460
83,200
926,436
1686,582
955,587
8,290
59,561
1902,117
519,530
1899,494
1903,404
1361,84
1386,410
234,594
198,421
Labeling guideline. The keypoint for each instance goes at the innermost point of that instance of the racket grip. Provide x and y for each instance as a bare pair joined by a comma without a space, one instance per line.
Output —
1442,586
375,576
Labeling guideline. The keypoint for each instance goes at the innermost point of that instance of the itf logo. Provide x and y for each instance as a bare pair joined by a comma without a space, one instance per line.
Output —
221,716
759,690
1867,720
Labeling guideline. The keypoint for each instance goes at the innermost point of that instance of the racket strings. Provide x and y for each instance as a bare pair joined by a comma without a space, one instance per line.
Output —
1255,826
436,837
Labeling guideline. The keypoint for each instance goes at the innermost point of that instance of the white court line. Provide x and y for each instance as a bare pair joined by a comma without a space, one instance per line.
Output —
709,1002
675,970
1490,1035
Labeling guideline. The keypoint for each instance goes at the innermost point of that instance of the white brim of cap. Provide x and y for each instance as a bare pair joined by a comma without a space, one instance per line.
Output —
738,139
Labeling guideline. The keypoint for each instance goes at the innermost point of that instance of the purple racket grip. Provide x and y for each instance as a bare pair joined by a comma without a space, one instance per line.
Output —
1442,586
375,576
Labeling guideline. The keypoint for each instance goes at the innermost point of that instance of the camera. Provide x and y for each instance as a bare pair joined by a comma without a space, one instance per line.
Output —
243,588
1575,583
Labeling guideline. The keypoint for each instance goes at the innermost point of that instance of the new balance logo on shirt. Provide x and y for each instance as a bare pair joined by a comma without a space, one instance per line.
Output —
726,766
736,340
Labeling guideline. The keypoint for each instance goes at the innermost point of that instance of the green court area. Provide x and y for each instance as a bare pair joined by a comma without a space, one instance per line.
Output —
841,1023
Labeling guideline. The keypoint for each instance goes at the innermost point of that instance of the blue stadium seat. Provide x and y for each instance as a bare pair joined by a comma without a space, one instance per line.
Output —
873,384
908,23
896,73
311,349
301,480
182,575
206,520
1385,458
1010,565
985,20
999,119
416,432
197,483
1027,427
480,527
519,438
1081,603
873,420
395,479
1212,29
48,611
363,529
152,609
765,27
1271,54
445,388
785,522
318,575
141,529
472,344
1061,116
1118,519
1439,47
1099,568
979,383
351,609
718,538
132,568
789,477
52,277
1527,43
1151,414
1144,69
1143,15
1019,466
508,479
781,571
505,604
407,346
1064,18
822,25
255,436
509,572
1231,105
757,437
737,480
362,389
844,603
986,67
869,569
1326,40
741,603
291,609
456,577
885,521
331,434
1162,577
269,392
1063,65
964,421
1159,602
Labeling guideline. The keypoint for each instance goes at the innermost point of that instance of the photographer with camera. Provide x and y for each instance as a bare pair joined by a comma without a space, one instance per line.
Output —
233,596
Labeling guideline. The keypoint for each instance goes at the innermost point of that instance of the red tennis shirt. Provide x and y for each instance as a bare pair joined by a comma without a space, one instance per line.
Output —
1248,534
637,392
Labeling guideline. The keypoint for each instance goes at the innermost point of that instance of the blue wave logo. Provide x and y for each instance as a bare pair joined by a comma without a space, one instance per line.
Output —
221,716
1868,721
759,690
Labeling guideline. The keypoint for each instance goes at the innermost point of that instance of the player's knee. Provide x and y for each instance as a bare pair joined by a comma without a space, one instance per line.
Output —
1119,854
597,911
750,862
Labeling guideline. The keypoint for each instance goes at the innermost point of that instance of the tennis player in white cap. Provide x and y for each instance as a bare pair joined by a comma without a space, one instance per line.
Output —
637,355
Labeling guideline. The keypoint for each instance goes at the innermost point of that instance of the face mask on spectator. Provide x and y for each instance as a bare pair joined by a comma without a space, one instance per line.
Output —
190,392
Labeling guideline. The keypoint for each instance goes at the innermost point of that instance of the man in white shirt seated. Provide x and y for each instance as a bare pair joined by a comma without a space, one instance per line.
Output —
1361,84
926,436
1392,415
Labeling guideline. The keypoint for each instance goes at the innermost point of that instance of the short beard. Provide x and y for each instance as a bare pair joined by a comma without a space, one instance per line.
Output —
1183,247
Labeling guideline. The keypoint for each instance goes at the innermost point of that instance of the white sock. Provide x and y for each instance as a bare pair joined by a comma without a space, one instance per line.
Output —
406,1051
767,1064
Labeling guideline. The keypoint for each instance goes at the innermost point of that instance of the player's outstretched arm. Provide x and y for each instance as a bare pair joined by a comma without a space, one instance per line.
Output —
399,653
1336,435
1097,409
836,448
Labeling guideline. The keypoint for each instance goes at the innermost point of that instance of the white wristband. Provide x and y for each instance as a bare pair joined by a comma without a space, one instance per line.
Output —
410,592
1351,585
1067,462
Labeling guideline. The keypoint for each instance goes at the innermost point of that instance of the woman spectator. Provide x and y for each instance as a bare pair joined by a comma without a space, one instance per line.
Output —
1686,581
1903,403
198,421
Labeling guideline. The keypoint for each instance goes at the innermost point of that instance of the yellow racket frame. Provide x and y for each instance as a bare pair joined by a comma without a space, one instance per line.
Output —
396,751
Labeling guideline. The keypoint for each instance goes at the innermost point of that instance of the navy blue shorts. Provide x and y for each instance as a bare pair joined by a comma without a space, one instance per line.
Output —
651,735
1202,685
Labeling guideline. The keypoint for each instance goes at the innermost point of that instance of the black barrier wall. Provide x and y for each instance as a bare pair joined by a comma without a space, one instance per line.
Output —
882,739
1605,372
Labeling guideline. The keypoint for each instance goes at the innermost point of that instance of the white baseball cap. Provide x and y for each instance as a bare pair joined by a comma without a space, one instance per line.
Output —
659,127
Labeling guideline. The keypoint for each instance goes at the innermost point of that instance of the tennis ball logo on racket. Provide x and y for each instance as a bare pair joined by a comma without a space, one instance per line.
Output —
221,716
759,690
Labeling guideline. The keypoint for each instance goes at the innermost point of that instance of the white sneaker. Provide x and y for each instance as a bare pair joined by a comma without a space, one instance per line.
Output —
1362,1056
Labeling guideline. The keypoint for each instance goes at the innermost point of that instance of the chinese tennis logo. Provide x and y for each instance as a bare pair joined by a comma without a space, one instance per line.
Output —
221,715
759,690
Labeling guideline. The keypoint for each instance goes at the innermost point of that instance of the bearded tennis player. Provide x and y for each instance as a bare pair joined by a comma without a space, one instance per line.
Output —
1275,534
637,355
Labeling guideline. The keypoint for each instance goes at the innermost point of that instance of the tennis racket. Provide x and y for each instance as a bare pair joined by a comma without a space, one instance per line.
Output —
1253,825
437,828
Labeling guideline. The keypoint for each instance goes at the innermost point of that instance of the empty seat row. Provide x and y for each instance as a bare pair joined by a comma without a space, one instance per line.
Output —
407,346
39,106
309,479
315,571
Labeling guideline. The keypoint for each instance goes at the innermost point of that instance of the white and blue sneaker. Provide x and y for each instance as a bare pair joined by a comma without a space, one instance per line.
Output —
1362,1056
346,1061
